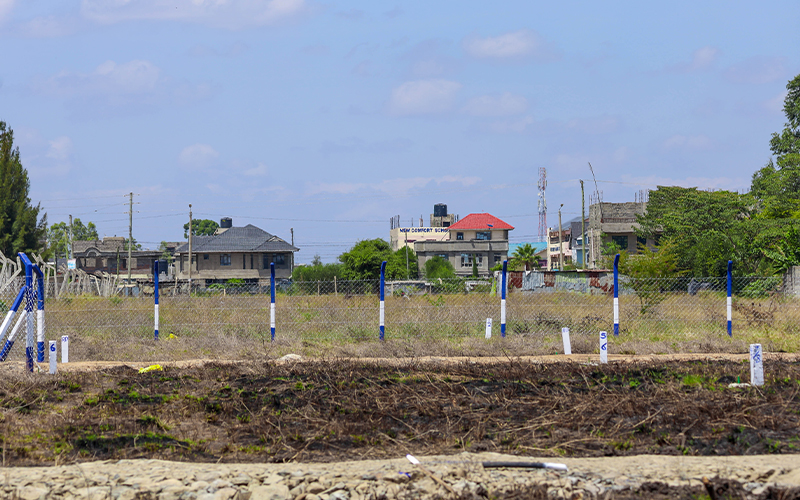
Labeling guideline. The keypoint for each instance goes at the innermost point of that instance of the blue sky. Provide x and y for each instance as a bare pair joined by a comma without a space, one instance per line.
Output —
330,118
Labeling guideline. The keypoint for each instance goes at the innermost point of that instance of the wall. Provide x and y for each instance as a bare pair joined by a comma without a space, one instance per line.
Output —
398,235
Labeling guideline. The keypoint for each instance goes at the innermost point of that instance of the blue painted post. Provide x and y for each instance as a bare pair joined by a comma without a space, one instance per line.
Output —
503,301
383,310
729,302
155,313
39,312
616,295
7,321
29,341
272,301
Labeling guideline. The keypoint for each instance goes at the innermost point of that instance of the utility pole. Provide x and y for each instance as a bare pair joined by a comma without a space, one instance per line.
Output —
292,231
69,250
560,245
583,226
130,235
190,249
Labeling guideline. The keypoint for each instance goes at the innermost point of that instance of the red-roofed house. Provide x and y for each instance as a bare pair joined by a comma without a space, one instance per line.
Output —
482,237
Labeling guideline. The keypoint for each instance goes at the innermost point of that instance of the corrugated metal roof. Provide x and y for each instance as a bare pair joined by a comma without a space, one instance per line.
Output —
238,239
481,221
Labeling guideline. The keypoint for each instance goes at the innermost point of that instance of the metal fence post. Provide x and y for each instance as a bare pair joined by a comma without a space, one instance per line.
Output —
729,301
503,301
382,310
29,312
616,295
155,312
272,301
40,312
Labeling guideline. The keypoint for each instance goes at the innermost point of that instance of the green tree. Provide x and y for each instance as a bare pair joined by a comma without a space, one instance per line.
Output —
474,266
21,230
363,261
439,268
396,265
58,235
524,258
135,248
200,227
647,269
777,185
165,253
317,271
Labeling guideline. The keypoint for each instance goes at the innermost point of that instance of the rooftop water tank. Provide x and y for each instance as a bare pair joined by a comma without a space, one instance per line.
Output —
226,223
440,210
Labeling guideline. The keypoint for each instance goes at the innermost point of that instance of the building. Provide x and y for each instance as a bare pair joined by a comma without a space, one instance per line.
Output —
440,217
556,250
236,253
614,223
110,255
400,237
479,237
576,243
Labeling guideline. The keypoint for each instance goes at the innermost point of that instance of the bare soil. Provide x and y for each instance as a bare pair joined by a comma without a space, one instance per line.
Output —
335,410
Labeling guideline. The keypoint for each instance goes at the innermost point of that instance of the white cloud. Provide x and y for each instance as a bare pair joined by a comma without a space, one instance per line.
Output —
492,105
516,126
60,148
49,27
423,97
260,171
513,45
6,6
704,57
45,158
687,142
392,187
231,14
134,84
776,103
757,70
198,156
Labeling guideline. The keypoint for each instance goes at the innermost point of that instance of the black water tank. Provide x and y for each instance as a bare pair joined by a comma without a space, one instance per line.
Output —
440,210
225,223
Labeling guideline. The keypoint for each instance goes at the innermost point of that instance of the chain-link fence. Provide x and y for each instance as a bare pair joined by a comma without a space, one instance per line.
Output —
437,317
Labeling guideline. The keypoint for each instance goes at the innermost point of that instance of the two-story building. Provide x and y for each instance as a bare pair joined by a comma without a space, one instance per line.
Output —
236,253
614,223
479,237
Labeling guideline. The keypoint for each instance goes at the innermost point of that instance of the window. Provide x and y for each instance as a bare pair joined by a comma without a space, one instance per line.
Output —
205,256
554,249
497,259
279,259
466,259
459,236
483,235
641,241
620,241
443,256
224,259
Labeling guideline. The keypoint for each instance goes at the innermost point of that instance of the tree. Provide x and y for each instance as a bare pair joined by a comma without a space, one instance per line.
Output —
200,227
646,269
524,257
317,271
439,268
165,253
474,266
21,230
58,235
135,248
363,261
396,265
777,185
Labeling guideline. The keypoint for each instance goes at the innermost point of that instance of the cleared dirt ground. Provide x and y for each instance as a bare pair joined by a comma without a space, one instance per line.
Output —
334,410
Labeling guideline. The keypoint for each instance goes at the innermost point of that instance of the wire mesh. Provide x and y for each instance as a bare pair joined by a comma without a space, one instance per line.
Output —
232,320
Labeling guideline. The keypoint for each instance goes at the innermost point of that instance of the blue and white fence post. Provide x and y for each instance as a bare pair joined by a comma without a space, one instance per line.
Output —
40,312
29,341
7,321
729,301
616,295
155,295
503,302
383,309
272,301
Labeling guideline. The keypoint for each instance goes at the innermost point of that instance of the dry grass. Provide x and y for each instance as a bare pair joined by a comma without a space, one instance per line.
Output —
237,327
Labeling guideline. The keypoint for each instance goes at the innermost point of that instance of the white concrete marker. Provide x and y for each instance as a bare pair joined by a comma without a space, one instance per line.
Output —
756,365
488,328
603,347
65,348
52,350
565,338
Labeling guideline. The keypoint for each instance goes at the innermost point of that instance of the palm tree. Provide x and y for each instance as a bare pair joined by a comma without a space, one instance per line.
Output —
525,255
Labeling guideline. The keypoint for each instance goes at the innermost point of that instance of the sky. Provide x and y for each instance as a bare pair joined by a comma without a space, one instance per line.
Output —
329,118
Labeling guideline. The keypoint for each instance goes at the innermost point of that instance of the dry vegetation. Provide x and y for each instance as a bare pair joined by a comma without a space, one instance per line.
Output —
343,410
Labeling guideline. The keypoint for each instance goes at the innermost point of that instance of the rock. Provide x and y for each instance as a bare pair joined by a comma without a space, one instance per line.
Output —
315,488
271,492
290,358
31,493
225,493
